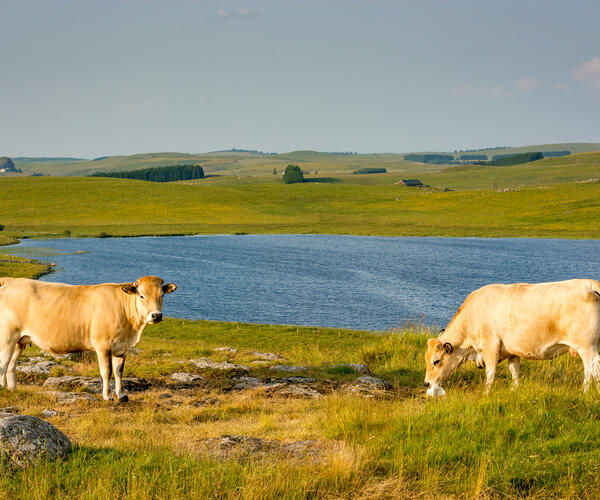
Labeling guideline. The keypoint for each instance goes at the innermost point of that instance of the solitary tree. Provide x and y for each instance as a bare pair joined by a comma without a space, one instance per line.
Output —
292,174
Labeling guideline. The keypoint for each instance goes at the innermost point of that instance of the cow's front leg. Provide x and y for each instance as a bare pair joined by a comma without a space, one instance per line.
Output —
118,363
514,364
490,358
104,360
6,352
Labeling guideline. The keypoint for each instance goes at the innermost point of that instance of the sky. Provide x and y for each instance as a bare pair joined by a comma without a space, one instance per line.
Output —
88,78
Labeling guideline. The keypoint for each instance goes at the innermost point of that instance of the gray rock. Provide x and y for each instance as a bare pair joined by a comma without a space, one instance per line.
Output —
185,377
369,386
289,368
48,412
267,356
225,365
294,380
25,439
94,384
228,350
69,397
373,382
243,383
358,368
42,367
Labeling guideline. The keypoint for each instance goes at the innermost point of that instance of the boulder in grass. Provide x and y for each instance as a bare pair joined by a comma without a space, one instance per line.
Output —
24,440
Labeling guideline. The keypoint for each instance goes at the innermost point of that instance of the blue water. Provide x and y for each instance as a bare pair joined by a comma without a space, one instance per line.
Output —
339,281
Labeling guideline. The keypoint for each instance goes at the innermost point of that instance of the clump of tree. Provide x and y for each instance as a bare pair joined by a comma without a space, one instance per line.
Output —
293,174
515,159
370,170
554,154
473,157
159,174
429,158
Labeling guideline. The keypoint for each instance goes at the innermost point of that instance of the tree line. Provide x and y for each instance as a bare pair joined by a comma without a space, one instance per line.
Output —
514,159
158,174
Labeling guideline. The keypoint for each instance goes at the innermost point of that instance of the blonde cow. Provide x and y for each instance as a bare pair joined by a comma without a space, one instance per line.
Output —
529,321
108,318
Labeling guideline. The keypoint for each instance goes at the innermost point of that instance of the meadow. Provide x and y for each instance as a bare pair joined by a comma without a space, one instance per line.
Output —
540,441
71,206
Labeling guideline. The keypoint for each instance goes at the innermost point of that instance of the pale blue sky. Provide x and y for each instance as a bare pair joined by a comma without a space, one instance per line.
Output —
89,78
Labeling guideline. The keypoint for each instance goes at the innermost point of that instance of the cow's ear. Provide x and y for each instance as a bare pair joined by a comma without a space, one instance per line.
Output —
169,287
129,288
448,348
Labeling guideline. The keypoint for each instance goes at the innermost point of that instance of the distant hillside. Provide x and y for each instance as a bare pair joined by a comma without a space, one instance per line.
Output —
45,159
252,163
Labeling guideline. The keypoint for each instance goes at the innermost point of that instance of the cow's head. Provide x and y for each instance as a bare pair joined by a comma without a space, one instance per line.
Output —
441,360
149,292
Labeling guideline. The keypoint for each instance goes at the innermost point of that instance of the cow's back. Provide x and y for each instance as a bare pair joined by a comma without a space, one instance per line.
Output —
528,318
58,317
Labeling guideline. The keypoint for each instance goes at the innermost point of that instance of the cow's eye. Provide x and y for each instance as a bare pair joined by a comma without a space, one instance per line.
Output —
142,297
436,362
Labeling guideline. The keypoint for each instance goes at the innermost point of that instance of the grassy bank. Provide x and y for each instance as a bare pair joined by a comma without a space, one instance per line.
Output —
540,441
50,207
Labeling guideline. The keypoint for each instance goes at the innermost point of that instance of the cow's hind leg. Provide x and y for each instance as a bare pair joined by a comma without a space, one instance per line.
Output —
104,360
591,366
11,372
118,363
514,364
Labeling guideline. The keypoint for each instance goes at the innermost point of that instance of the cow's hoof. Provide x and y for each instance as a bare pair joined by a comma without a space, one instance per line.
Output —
123,399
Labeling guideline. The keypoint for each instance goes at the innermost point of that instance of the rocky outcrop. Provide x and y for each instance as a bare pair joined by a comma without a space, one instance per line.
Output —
369,386
25,440
93,384
37,365
186,378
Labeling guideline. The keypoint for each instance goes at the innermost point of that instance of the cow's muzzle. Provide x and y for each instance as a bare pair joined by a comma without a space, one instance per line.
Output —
155,317
426,384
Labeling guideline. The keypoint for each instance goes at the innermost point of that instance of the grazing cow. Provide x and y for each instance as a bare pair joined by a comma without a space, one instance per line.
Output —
530,321
108,318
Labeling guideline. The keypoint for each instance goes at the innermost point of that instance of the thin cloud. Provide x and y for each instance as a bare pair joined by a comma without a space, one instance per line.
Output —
241,12
526,84
589,71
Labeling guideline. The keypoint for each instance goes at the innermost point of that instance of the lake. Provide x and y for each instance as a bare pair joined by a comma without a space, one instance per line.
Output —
339,281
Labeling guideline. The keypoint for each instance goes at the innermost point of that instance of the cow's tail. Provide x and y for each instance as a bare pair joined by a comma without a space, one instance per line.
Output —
3,281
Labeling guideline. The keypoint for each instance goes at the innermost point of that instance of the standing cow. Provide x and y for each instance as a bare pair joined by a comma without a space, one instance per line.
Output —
108,318
530,321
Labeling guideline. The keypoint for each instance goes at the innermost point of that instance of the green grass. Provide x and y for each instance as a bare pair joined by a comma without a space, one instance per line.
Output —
49,207
540,441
